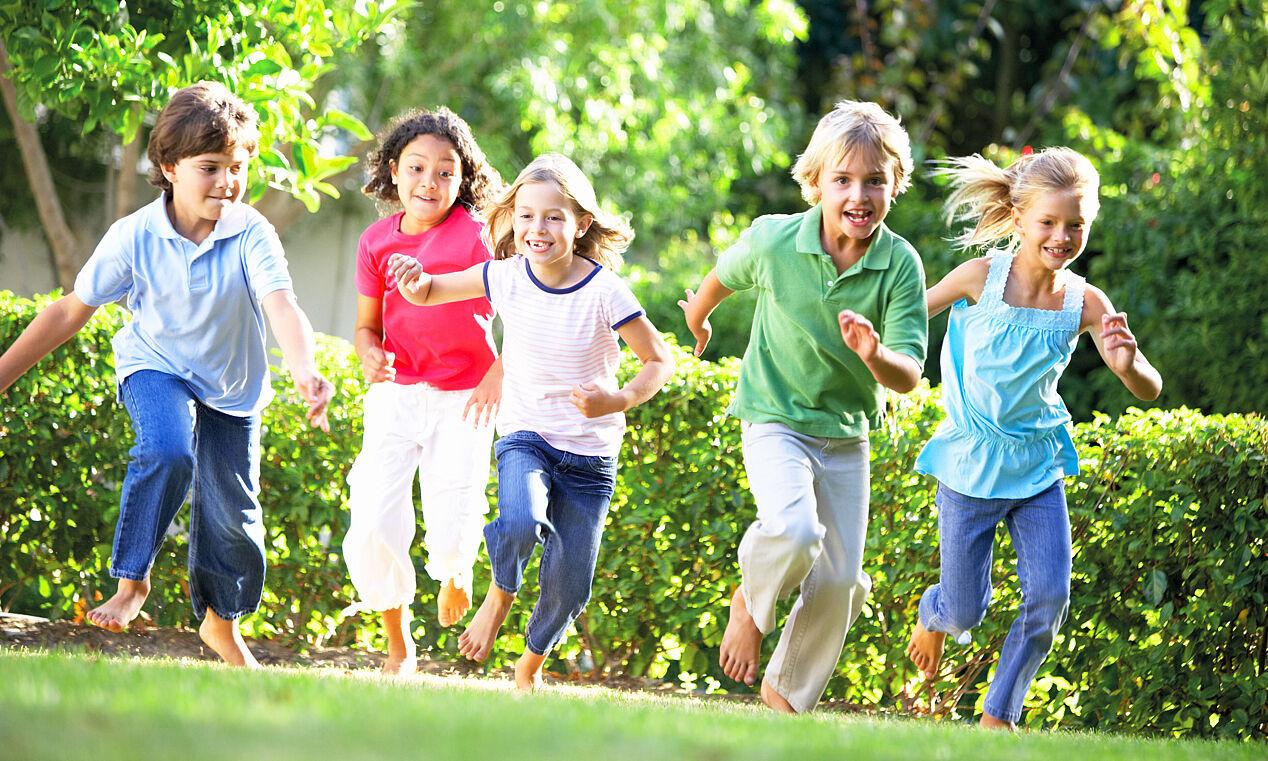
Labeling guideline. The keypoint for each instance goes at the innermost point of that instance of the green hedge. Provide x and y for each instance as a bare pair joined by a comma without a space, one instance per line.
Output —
1167,632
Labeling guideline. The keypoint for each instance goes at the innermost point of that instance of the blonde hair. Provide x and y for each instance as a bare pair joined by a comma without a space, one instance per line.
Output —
605,239
854,125
985,194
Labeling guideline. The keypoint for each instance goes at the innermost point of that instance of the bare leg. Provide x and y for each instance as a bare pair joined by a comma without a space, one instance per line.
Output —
477,641
774,700
223,636
990,722
453,603
116,613
400,642
528,671
925,650
741,643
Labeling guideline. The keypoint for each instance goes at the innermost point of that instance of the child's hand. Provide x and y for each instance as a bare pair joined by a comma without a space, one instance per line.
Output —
376,365
858,334
1118,342
317,391
407,272
700,328
593,401
485,399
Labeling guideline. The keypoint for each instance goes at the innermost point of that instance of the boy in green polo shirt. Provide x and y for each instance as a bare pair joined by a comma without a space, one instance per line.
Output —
840,313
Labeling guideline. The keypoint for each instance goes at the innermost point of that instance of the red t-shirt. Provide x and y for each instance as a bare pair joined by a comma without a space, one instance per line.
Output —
450,345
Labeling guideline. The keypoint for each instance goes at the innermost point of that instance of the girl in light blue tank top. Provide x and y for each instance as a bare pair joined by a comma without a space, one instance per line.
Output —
1004,449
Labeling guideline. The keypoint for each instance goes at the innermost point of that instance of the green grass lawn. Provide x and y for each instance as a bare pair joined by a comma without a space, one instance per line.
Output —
82,706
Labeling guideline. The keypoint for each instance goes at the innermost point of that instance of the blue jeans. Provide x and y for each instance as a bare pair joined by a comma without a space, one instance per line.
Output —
1040,530
559,500
180,443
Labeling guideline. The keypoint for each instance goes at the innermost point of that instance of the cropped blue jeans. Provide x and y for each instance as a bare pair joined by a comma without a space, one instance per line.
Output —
1040,530
181,444
559,500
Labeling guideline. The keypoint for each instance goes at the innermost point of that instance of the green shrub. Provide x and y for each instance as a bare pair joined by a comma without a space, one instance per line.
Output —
1168,620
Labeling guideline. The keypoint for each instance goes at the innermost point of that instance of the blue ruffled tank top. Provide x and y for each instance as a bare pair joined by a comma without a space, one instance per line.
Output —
1006,434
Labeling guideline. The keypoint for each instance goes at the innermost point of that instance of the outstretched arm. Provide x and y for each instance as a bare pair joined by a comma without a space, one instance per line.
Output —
419,287
699,305
964,282
1117,346
658,367
294,334
52,327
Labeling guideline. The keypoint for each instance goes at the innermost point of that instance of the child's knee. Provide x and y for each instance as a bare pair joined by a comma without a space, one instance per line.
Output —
170,458
522,531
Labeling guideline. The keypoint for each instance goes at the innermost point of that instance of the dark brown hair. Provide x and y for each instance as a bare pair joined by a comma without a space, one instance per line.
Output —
479,179
202,118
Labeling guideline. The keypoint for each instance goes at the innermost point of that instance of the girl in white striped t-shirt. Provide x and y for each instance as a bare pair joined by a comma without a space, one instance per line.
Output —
563,307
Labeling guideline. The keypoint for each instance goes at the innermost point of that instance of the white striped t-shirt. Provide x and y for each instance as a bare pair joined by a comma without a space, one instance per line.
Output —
552,340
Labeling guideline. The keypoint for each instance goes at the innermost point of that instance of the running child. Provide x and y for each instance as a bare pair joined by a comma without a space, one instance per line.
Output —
553,282
200,270
840,317
1004,448
427,366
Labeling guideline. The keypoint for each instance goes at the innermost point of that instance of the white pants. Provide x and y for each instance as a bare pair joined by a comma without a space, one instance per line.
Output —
412,428
812,504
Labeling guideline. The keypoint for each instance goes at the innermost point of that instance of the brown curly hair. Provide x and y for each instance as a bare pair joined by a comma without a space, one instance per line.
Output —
479,179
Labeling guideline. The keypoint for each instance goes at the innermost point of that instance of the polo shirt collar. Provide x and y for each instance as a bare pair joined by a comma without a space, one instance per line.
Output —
876,257
158,223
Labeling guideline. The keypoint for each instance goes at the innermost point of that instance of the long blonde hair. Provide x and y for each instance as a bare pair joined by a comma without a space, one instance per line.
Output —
605,239
986,195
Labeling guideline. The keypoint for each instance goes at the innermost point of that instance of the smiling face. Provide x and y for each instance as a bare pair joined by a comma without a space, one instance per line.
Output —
546,225
1053,230
428,176
204,187
856,192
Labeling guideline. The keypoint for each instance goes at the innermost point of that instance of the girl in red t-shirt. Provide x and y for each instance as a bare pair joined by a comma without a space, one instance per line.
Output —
435,380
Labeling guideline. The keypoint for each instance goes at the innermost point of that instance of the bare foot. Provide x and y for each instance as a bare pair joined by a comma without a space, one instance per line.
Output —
401,659
528,671
477,641
741,643
774,700
223,636
925,650
116,613
990,722
453,603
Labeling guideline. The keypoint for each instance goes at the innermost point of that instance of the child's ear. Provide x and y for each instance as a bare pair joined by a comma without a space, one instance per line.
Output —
391,166
169,171
583,224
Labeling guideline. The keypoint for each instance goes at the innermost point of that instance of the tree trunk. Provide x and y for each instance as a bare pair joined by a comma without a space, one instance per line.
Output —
125,188
63,242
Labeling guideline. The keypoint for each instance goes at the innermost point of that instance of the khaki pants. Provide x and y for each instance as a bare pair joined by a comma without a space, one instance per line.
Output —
812,504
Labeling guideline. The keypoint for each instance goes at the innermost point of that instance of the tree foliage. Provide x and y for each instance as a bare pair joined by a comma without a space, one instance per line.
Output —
114,64
666,106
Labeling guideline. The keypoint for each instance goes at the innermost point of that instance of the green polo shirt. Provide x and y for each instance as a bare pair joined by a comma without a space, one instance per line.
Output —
797,369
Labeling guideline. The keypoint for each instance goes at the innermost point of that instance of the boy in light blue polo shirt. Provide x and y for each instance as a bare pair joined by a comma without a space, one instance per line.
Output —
199,271
840,314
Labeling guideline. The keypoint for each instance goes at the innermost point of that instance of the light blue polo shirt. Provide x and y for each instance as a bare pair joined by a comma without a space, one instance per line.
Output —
196,308
797,369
